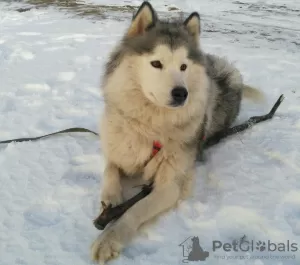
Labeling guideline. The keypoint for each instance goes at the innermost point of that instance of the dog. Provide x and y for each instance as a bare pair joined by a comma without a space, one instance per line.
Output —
160,86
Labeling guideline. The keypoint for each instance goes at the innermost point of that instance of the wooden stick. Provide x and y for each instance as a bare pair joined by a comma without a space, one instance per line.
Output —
110,213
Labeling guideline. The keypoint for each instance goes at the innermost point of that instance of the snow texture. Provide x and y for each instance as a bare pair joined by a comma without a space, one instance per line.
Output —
50,70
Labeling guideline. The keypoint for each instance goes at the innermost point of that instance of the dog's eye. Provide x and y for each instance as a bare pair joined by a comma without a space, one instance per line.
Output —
183,67
157,64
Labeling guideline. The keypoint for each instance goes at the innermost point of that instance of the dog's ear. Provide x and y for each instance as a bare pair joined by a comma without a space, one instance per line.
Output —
193,25
144,18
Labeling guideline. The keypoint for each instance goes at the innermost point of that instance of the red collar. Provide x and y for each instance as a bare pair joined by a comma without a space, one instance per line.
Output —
156,147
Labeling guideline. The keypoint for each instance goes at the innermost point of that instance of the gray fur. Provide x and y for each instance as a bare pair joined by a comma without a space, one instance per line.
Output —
227,81
171,33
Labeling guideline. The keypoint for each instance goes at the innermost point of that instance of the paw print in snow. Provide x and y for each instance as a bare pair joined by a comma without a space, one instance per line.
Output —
261,246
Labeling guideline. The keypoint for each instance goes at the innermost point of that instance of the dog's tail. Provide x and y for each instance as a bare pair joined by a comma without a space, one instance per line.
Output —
252,93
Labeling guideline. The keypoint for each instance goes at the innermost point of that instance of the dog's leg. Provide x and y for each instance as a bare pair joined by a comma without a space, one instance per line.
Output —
164,196
112,190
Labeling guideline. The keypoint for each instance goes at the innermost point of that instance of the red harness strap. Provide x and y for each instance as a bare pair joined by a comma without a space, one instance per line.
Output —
156,147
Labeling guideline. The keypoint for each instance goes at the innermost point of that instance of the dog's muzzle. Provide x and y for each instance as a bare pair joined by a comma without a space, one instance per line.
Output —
179,95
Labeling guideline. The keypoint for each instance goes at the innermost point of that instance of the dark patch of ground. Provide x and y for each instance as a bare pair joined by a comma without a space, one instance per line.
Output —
226,24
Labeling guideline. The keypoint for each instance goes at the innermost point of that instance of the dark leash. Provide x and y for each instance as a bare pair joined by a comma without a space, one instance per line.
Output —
70,130
217,137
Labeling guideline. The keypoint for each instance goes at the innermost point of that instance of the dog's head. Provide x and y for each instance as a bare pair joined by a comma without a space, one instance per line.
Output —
166,63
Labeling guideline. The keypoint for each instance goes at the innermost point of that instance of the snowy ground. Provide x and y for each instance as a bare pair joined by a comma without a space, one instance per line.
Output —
50,66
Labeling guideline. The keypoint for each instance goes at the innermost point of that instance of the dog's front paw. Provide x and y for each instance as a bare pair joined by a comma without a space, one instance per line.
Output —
112,199
111,195
113,239
106,247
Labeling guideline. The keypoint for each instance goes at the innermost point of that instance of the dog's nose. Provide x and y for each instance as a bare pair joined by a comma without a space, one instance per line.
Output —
179,95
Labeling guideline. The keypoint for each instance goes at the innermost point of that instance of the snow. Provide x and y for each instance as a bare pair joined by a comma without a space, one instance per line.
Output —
50,69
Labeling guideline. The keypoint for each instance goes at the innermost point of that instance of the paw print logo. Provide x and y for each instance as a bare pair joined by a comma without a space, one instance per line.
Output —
261,246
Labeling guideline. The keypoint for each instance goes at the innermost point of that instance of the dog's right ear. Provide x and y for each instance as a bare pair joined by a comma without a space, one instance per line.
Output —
144,18
193,25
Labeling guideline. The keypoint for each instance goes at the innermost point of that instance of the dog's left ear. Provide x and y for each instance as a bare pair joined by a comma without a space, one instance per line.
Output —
144,18
193,25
